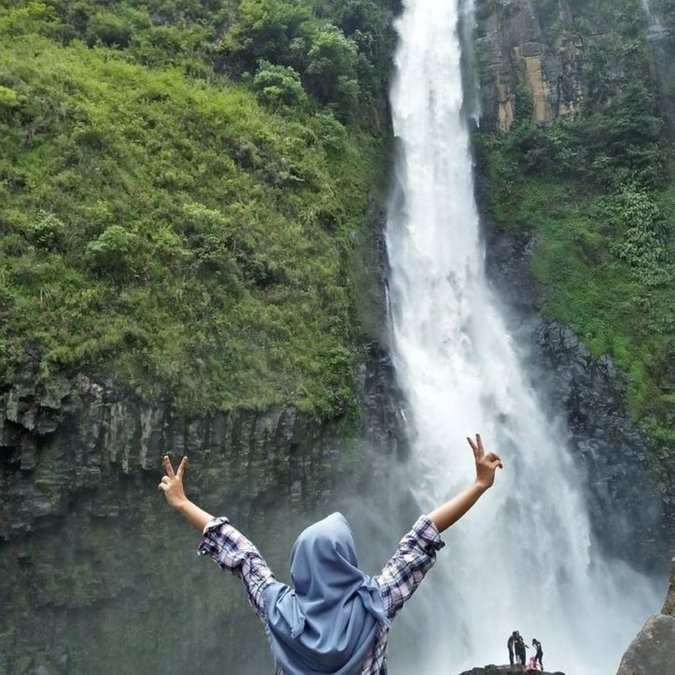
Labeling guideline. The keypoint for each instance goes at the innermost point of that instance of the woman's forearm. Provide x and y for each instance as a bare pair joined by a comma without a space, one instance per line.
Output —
196,516
450,512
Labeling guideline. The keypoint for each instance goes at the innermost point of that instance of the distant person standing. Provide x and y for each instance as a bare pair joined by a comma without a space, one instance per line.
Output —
539,654
520,648
510,645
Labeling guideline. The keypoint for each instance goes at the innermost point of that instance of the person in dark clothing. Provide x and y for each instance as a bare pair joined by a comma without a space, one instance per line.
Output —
520,647
509,645
539,656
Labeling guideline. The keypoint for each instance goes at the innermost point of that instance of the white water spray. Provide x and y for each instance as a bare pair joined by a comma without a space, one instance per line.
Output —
524,558
655,29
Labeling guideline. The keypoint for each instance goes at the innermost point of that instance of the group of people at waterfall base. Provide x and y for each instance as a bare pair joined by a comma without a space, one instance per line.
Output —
517,656
333,618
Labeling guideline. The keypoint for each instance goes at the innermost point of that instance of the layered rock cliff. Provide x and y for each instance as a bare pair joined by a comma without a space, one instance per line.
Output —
558,52
88,540
516,50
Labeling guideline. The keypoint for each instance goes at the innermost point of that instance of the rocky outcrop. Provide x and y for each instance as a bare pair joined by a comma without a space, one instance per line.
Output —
651,652
615,456
517,50
614,453
66,437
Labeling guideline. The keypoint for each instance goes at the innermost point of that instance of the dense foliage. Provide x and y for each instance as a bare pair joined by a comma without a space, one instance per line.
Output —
599,189
184,185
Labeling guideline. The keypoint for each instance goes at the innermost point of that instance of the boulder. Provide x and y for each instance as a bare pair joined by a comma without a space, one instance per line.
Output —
652,650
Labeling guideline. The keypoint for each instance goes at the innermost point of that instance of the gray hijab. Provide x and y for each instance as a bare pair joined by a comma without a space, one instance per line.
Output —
327,622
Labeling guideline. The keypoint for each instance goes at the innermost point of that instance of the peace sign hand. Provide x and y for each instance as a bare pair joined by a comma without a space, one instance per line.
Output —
486,464
172,483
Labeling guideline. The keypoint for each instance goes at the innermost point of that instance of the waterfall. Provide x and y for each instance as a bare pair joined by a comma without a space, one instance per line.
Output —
655,29
524,558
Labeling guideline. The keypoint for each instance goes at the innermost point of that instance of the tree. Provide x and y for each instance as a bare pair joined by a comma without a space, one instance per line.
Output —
265,29
331,71
278,86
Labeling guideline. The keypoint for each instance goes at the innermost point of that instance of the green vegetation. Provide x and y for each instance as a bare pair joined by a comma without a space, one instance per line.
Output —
184,186
599,190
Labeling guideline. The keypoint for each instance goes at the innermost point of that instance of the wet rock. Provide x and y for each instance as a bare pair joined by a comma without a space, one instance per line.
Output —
73,434
651,652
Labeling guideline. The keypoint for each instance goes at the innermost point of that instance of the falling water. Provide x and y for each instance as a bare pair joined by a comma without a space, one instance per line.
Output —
524,558
655,29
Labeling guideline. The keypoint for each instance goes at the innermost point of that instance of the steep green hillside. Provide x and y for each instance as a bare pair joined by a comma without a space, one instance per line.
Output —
183,189
598,188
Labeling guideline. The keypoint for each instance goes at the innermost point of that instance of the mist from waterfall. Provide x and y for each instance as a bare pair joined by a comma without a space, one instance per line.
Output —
655,29
524,558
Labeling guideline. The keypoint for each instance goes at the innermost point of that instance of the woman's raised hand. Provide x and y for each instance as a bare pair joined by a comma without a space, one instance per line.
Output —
486,464
172,483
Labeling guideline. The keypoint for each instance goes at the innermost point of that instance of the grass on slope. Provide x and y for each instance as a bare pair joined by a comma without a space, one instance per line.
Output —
608,258
174,233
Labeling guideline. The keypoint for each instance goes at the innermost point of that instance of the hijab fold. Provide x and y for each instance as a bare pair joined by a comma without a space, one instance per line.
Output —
327,621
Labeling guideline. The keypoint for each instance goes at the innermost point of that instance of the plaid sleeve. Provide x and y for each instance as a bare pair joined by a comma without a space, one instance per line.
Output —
414,557
230,549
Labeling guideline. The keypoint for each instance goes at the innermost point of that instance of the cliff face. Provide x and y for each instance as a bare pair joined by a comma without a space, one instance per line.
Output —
516,49
542,61
550,50
89,541
60,442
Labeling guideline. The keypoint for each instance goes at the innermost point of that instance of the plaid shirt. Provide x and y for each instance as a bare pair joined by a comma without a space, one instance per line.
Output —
414,557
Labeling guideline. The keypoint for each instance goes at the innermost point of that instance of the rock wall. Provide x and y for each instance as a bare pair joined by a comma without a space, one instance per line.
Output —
98,576
81,431
542,47
516,50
